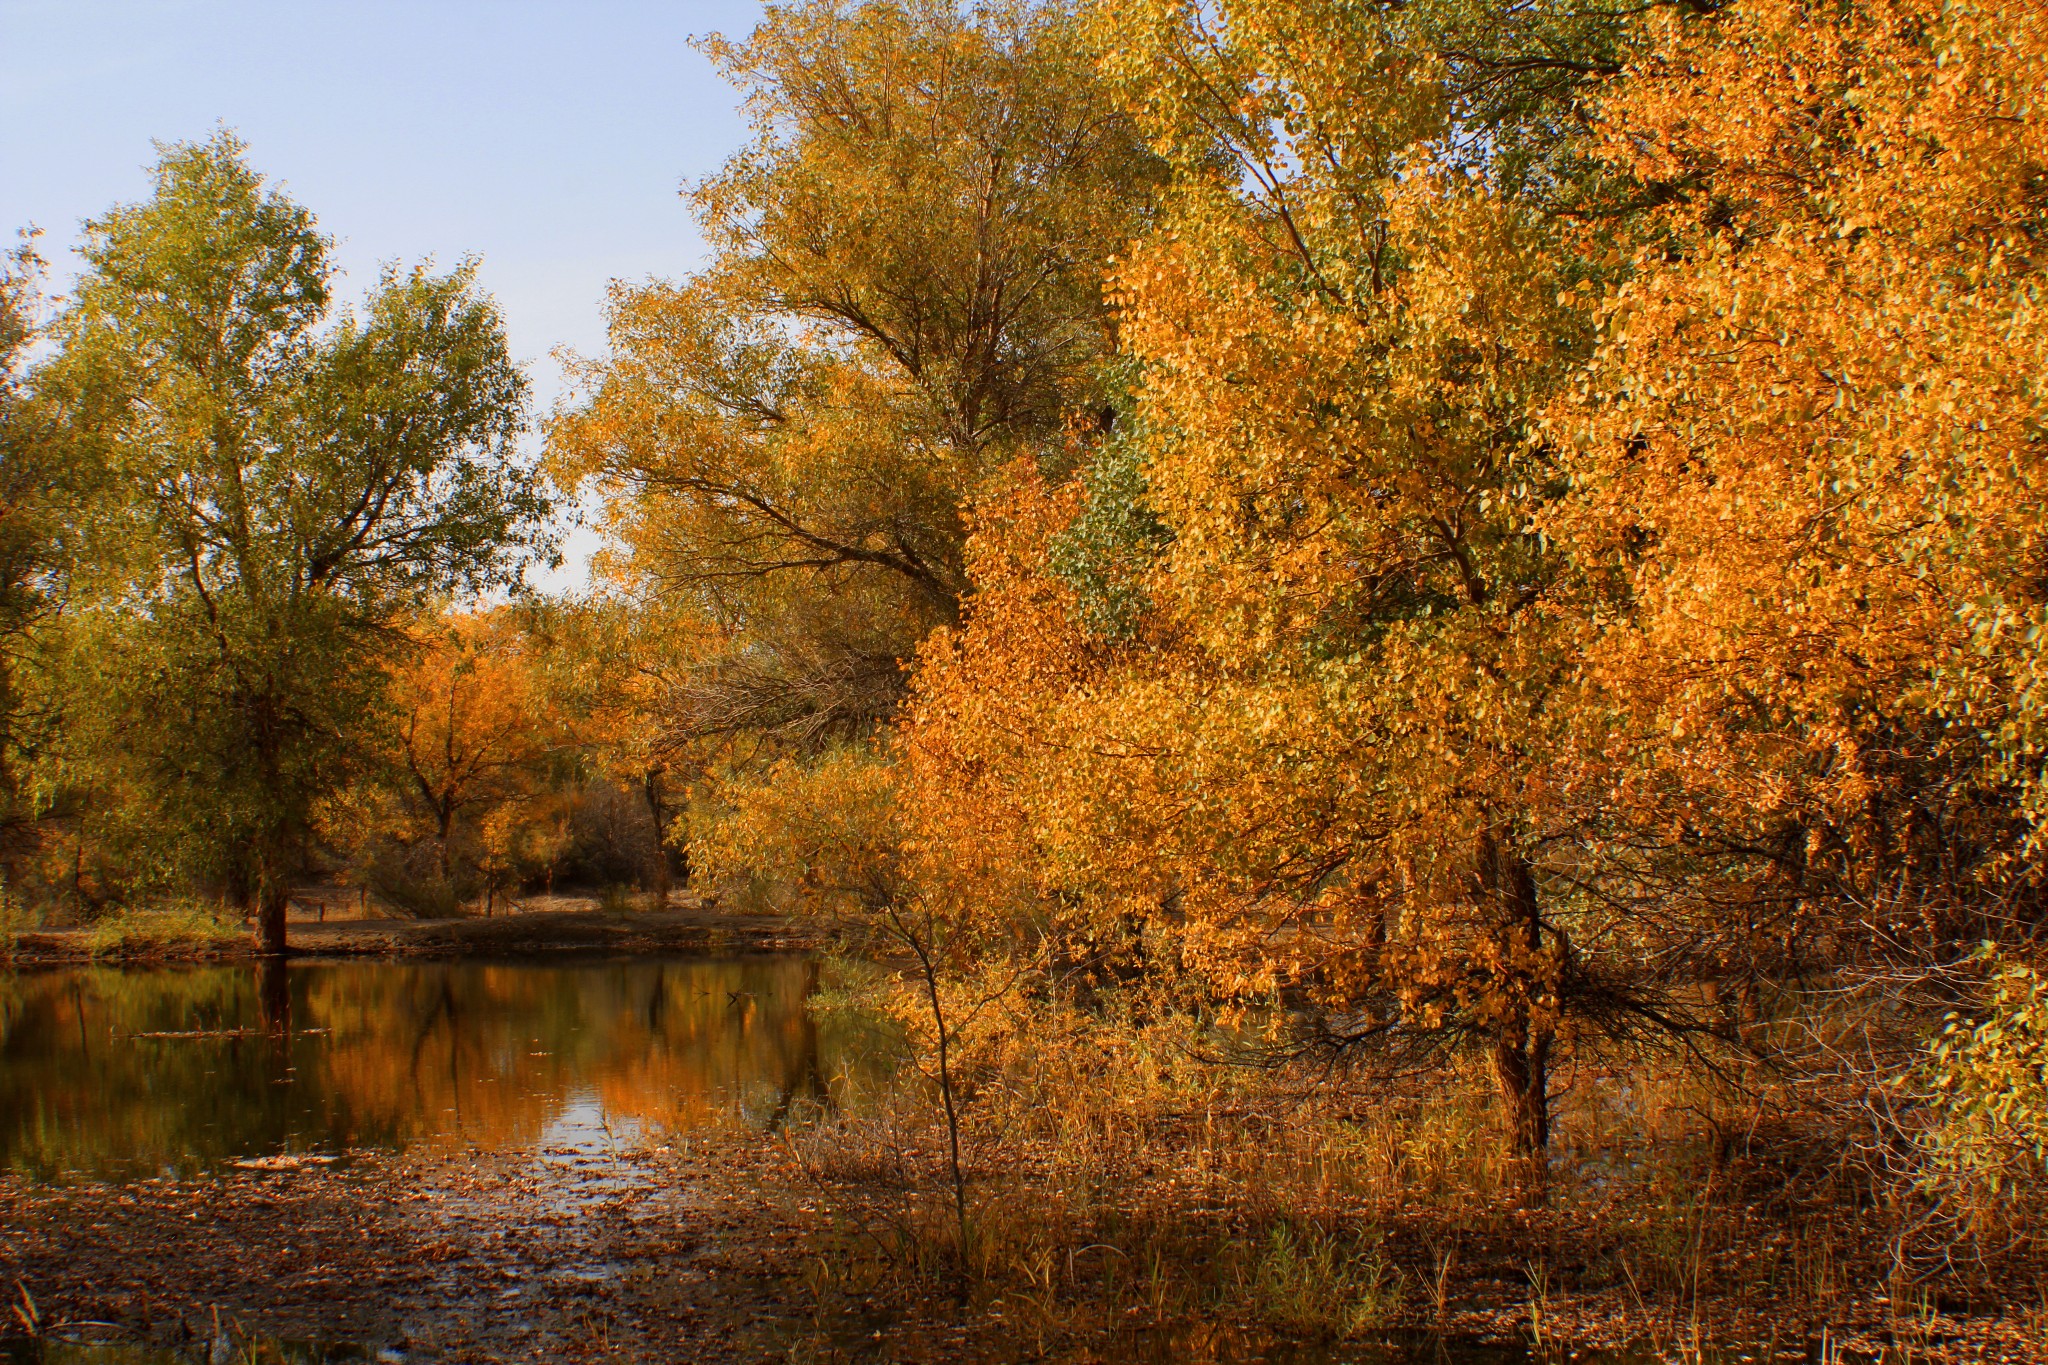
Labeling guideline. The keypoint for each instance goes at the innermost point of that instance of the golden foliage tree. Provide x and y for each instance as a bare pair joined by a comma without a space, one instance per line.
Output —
628,673
475,753
905,294
1576,536
1810,451
1279,688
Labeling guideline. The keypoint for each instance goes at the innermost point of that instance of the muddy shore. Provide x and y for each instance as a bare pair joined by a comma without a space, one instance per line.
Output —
662,1254
701,1250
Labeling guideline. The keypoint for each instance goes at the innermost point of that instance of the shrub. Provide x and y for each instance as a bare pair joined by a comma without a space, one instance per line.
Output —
1988,1084
179,924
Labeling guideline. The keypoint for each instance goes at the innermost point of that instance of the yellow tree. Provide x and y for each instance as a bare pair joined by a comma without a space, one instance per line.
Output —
629,674
905,294
474,744
1279,686
1811,449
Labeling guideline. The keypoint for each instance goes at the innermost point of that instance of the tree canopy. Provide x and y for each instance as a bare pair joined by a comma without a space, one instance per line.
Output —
905,297
277,484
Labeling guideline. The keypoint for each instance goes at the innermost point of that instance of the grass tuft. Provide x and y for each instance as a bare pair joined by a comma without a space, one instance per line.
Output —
1317,1283
136,931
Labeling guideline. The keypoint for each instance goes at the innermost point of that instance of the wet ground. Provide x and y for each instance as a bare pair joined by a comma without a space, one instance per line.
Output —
575,1158
570,1252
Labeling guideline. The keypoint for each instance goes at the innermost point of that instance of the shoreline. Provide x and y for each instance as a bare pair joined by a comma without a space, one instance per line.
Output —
536,933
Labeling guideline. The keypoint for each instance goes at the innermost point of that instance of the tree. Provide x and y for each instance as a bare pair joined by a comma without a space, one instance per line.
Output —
284,486
474,739
1282,686
626,673
905,296
1810,447
833,830
36,486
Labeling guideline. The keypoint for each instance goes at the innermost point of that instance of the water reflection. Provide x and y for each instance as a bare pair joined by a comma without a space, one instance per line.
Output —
106,1071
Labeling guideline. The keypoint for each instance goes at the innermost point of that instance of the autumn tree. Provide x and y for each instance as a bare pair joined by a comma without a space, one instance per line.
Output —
1574,535
1810,447
474,752
285,484
1275,688
905,295
627,672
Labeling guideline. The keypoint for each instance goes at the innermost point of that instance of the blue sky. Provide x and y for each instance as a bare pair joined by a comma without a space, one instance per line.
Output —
548,137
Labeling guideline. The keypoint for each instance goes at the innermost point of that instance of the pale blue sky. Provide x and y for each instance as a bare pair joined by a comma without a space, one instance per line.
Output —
548,137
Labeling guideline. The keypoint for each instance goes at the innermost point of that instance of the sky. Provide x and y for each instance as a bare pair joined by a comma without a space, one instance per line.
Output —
547,137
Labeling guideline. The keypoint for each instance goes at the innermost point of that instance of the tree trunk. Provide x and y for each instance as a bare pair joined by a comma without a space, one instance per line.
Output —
1521,1064
657,807
445,830
271,904
1521,1049
662,879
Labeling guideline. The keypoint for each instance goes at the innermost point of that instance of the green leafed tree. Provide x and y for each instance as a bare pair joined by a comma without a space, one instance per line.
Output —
282,483
35,484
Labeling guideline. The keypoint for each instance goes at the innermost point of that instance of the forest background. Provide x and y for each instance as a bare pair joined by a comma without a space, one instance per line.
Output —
1492,542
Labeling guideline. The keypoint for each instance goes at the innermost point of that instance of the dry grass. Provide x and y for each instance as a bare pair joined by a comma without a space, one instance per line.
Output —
1120,1176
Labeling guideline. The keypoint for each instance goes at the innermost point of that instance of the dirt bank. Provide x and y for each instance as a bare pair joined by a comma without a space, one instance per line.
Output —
557,924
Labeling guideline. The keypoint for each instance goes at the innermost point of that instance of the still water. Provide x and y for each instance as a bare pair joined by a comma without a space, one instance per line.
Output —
112,1073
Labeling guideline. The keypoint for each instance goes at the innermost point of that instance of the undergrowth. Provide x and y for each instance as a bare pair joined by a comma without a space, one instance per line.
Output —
1122,1171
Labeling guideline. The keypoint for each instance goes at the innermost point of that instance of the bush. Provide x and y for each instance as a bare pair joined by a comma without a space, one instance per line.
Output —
179,924
407,879
1988,1085
417,897
16,916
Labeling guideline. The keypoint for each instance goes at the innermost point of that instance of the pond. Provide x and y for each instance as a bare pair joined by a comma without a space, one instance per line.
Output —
108,1073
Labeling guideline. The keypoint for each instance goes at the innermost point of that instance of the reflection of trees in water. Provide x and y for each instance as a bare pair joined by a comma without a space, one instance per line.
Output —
716,1044
805,1077
486,1053
274,995
386,1054
77,1088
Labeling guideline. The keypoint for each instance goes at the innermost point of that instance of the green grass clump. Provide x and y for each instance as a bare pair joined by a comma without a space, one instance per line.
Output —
132,930
1323,1284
